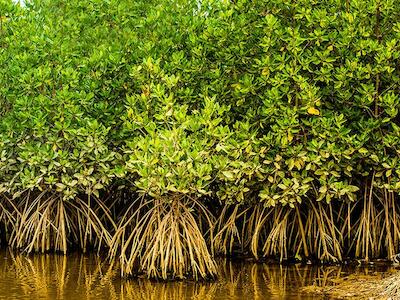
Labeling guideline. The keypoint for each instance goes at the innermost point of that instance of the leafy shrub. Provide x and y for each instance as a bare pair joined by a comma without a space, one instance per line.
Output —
262,105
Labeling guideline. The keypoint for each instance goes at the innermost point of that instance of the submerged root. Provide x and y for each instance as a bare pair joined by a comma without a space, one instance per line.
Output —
48,222
276,242
367,227
323,236
303,231
162,238
390,234
7,218
177,236
254,228
227,230
376,228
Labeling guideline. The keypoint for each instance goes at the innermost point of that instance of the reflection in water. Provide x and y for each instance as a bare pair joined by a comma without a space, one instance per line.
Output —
88,277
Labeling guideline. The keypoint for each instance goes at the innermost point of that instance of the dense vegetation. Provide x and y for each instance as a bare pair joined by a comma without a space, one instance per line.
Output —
172,131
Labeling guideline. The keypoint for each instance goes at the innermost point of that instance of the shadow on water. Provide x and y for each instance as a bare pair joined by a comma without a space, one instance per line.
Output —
87,277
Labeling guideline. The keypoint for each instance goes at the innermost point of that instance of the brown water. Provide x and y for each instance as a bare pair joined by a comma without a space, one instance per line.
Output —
88,277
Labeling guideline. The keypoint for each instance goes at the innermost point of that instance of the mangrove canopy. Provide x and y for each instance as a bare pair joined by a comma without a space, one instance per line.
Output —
168,132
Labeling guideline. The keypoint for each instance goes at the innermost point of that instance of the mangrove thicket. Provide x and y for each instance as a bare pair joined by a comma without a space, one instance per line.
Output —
166,133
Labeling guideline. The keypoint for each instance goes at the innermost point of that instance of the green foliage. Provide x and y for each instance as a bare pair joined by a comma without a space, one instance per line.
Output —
268,103
246,101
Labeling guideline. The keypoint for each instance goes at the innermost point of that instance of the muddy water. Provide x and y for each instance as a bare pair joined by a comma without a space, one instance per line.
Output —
87,277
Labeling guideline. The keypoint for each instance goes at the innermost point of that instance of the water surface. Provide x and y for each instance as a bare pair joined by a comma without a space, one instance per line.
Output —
79,276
